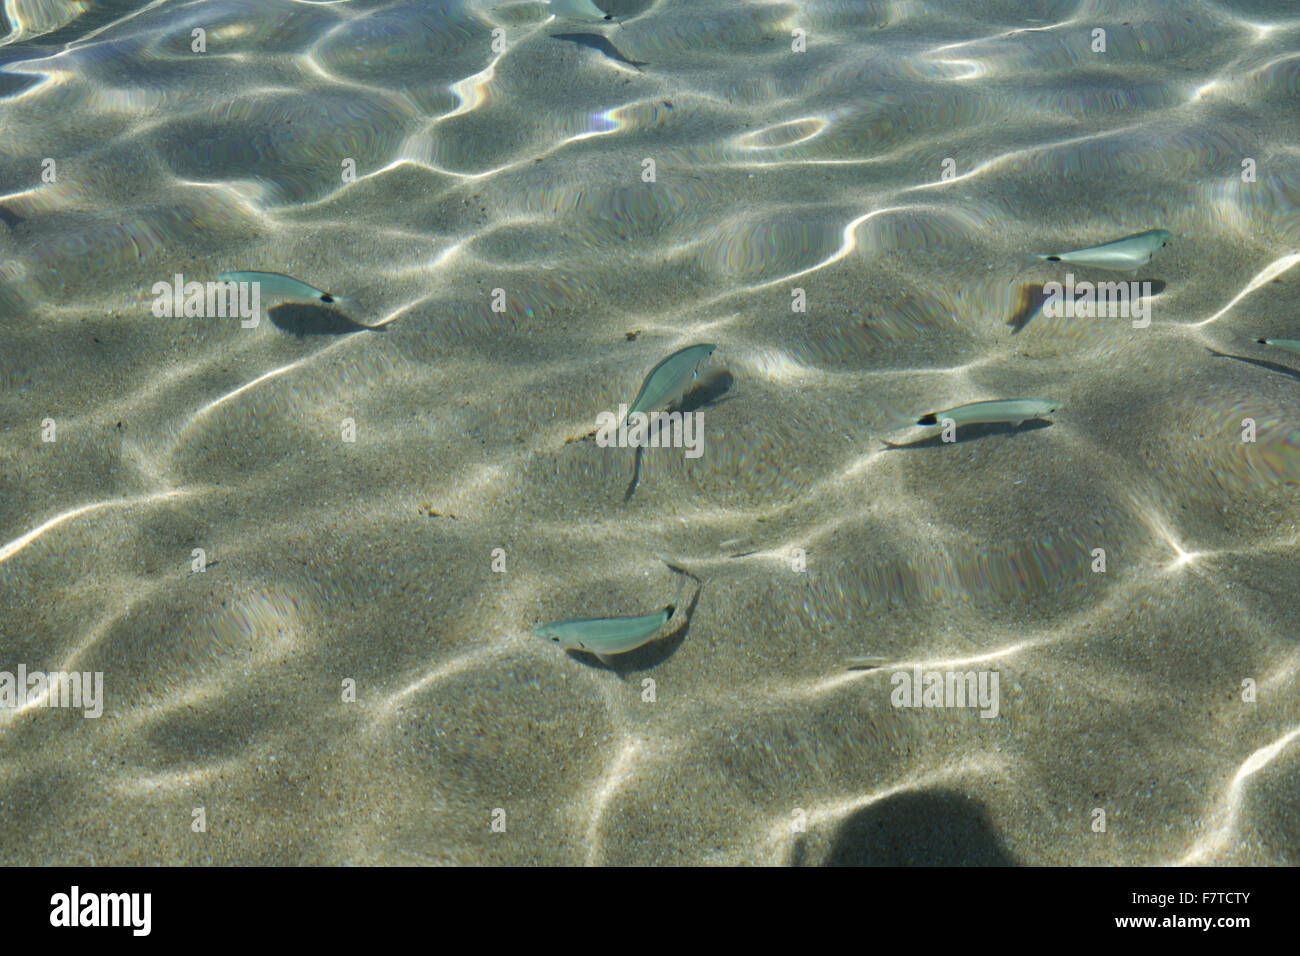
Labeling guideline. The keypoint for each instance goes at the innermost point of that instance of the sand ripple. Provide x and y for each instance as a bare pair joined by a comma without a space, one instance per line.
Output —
899,172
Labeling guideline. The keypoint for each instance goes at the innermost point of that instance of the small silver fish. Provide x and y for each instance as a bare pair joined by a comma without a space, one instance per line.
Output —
1122,255
278,287
1291,345
669,380
997,411
583,10
604,636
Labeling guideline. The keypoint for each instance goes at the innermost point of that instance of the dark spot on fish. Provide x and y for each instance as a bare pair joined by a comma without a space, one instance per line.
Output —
326,297
1053,258
631,336
1262,341
930,419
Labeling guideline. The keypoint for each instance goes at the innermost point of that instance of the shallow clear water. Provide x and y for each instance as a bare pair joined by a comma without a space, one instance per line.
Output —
396,509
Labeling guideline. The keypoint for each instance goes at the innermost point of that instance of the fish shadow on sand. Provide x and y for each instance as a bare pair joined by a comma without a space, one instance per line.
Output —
647,656
1032,298
300,319
926,828
967,433
709,392
1262,363
600,44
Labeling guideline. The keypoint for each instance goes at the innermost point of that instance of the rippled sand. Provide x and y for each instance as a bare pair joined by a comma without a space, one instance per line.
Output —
372,561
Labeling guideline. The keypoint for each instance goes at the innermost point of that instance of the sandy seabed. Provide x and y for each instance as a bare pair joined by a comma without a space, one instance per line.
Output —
413,561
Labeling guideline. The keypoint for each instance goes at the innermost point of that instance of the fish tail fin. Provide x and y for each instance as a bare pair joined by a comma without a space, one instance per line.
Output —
930,419
1027,260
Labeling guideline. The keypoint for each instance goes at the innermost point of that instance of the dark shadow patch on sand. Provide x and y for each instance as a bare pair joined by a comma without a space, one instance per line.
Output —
9,217
967,433
647,656
1032,298
1028,304
1261,363
600,44
926,828
709,391
300,320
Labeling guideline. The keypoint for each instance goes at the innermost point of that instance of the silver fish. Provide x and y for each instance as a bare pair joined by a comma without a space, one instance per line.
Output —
1291,345
605,635
281,288
997,411
1122,255
583,10
669,380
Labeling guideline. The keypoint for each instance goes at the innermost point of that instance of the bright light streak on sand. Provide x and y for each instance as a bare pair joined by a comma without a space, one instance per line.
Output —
1230,803
1268,274
22,541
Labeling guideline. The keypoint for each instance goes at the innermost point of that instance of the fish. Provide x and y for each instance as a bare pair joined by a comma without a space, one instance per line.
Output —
1291,345
669,380
579,10
1013,410
1122,255
606,636
281,288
